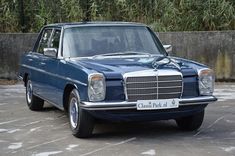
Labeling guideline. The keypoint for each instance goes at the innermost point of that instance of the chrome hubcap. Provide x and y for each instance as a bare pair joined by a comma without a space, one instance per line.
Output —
73,112
29,91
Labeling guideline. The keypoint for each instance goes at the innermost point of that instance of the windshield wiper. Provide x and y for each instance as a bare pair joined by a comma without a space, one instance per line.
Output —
123,53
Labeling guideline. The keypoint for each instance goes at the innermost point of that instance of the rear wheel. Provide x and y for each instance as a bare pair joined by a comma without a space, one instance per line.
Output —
34,103
81,122
191,123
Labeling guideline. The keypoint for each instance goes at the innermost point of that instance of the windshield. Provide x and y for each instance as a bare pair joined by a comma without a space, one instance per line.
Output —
99,40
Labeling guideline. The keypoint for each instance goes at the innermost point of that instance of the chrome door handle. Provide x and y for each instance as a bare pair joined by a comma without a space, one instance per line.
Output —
42,63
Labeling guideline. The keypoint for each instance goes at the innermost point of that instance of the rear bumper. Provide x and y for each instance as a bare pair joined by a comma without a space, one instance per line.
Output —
119,105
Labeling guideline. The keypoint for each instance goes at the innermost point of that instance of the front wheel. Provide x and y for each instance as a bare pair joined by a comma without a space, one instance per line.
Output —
191,123
81,122
34,103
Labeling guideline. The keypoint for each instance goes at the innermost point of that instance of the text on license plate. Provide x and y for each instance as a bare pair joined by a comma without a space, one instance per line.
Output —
157,104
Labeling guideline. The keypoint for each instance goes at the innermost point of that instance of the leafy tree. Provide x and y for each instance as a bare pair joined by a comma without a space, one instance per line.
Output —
162,15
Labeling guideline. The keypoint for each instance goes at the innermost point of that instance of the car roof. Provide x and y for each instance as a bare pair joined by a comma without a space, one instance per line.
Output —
95,23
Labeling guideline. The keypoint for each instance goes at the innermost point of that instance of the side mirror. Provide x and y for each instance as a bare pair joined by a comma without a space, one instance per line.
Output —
51,52
168,48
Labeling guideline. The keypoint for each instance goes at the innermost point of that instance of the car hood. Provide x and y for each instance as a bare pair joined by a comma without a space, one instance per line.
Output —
114,68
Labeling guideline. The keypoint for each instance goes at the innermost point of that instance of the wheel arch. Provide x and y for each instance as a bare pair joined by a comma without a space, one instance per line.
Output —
25,78
67,90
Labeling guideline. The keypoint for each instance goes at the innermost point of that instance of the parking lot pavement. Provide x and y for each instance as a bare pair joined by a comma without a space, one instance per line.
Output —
25,133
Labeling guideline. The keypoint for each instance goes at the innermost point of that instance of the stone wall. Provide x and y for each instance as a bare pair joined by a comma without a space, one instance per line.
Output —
11,48
215,49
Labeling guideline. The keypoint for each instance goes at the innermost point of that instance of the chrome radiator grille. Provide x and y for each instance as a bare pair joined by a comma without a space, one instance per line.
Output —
153,87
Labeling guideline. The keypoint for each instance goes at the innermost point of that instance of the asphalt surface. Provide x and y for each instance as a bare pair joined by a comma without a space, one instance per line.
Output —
27,133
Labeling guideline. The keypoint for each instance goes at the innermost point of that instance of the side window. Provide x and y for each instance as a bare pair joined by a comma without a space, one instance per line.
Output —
55,39
44,40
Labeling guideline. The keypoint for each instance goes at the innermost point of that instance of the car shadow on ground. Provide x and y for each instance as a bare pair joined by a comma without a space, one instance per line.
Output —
49,107
143,129
106,129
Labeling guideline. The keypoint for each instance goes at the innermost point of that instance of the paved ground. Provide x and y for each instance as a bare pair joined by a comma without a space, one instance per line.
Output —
26,133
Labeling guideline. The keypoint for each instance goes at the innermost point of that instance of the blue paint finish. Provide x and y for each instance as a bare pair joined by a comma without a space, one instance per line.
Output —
113,69
114,90
49,89
190,87
76,72
52,87
33,60
50,76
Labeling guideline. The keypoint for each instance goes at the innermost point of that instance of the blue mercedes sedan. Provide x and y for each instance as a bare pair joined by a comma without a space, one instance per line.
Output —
116,71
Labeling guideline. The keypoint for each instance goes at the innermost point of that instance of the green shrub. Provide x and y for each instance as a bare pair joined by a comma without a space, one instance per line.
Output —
162,15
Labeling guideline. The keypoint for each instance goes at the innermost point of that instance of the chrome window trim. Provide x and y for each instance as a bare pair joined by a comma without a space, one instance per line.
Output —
55,75
59,56
156,40
124,24
114,57
59,48
41,35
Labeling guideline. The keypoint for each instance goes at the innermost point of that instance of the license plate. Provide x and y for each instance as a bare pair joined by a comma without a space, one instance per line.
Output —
157,104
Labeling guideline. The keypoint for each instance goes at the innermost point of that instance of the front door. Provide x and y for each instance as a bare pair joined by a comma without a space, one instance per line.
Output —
38,77
50,66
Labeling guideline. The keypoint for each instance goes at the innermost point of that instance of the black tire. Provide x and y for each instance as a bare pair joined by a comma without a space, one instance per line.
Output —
82,124
34,103
191,123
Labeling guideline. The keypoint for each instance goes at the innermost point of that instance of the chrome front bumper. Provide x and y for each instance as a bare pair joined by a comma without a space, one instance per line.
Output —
118,105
